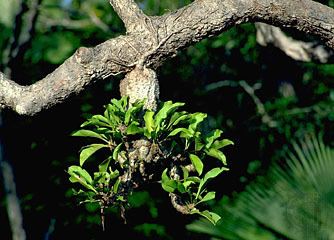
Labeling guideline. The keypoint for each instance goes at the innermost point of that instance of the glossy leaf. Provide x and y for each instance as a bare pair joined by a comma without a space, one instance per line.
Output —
167,108
209,175
79,175
218,144
212,137
217,154
89,133
195,119
177,118
211,216
116,151
209,196
116,185
168,184
197,163
176,131
149,123
133,110
102,177
134,128
103,167
88,151
113,174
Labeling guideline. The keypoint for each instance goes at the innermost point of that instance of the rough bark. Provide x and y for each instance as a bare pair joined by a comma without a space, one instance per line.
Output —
151,40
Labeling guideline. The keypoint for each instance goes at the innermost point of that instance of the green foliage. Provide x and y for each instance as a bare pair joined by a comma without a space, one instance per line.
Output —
143,142
293,201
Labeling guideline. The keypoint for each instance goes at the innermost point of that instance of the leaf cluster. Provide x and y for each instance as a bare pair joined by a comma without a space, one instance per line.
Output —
142,145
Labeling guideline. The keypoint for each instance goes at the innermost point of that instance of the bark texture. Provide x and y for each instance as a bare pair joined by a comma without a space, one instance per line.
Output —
150,40
141,83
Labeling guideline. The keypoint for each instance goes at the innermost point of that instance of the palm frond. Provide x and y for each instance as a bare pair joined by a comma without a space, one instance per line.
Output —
294,200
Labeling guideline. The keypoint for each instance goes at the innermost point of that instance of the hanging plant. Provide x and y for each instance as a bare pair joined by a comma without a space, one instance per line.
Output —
166,145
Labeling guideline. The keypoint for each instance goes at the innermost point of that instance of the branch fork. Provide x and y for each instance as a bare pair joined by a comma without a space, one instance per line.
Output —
149,41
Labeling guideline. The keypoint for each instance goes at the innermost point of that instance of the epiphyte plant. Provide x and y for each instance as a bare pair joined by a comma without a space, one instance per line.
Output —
165,146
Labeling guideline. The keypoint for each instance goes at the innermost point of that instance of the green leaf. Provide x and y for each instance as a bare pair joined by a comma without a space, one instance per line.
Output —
211,216
101,119
102,177
185,172
113,174
164,176
195,119
116,151
198,144
89,133
168,184
119,104
218,144
176,118
97,120
167,108
133,110
209,196
211,137
133,129
79,175
116,185
217,154
194,179
197,163
186,184
88,151
181,188
124,102
103,167
186,133
149,123
209,175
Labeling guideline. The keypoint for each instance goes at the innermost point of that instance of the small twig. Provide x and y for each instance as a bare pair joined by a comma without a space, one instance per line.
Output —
250,90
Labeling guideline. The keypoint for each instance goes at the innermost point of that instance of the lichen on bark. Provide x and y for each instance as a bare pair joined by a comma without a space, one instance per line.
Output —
141,83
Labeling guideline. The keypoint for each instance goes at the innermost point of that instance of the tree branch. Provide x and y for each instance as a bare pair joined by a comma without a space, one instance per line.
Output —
130,14
163,37
297,50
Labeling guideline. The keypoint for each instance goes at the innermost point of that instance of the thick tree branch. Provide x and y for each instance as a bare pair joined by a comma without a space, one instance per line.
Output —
305,15
162,38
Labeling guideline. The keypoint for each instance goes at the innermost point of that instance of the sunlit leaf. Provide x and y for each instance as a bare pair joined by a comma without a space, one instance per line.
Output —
209,175
167,108
149,123
218,144
134,128
211,137
211,216
197,163
169,185
88,151
116,151
195,119
132,111
89,133
217,154
209,196
103,167
177,117
79,175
